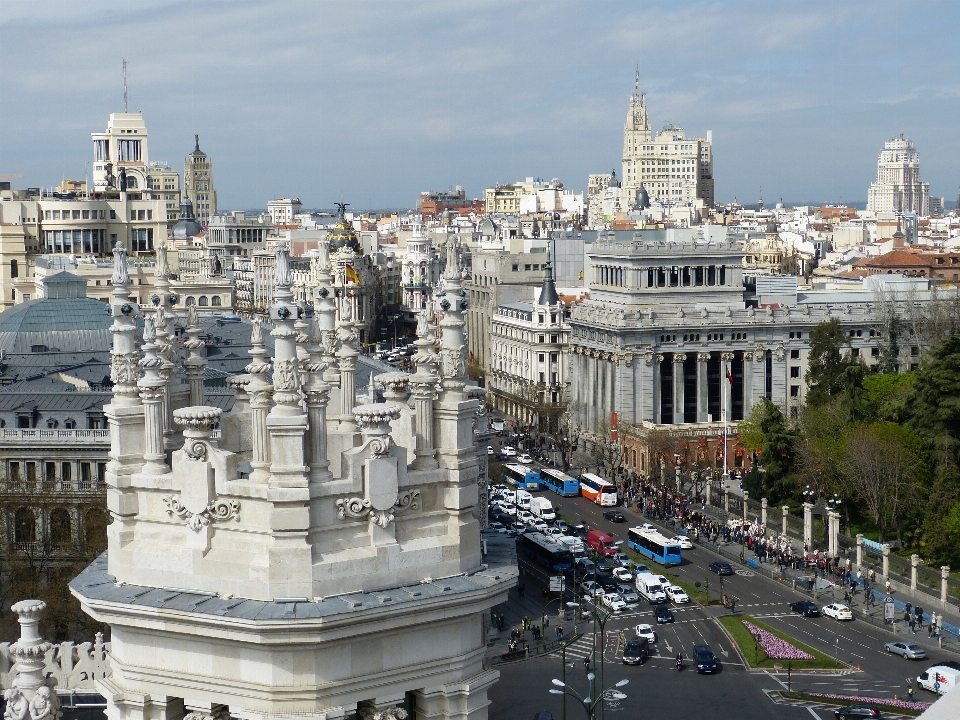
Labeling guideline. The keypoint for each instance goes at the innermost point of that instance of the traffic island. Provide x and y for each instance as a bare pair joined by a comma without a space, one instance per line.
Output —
903,708
769,649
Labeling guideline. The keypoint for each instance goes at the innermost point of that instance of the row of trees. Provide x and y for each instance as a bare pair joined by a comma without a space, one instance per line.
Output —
887,444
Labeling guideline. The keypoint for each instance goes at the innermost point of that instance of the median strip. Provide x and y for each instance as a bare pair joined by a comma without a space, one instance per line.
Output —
756,657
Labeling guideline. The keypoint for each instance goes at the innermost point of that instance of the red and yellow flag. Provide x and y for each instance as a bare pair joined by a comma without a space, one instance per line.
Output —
351,275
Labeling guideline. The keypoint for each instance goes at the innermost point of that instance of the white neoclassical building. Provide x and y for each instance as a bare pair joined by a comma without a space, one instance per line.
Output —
321,559
420,271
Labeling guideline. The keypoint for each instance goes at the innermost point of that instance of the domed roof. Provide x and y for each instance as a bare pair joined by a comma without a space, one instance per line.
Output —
343,235
68,324
187,226
642,198
771,228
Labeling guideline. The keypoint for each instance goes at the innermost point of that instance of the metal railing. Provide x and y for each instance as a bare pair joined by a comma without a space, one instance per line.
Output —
26,435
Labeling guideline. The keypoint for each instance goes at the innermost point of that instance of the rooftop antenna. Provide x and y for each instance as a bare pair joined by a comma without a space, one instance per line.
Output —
636,88
124,84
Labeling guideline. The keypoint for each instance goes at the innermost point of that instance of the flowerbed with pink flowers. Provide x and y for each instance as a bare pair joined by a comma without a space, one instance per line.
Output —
774,647
901,707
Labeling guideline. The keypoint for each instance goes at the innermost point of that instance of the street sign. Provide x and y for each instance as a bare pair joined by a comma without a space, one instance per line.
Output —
556,583
889,611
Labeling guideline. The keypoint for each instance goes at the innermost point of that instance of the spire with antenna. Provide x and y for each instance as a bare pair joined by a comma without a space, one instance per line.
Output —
636,87
124,84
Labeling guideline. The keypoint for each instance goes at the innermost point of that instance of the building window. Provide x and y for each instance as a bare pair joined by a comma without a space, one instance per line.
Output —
794,372
794,391
70,424
61,529
794,354
52,424
215,301
203,302
25,526
24,421
15,472
14,269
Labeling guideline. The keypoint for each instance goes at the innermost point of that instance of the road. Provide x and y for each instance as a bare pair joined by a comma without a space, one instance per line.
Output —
855,643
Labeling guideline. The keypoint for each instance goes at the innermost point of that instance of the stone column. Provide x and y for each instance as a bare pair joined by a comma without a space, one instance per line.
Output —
31,694
702,358
859,550
886,561
726,498
196,364
424,383
151,394
261,400
914,564
708,487
944,585
325,313
786,512
318,396
678,360
347,361
763,512
808,525
833,533
746,511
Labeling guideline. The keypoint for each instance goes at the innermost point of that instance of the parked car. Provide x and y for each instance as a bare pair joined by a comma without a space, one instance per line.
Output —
635,651
906,650
629,595
805,608
614,602
614,516
857,710
705,659
646,632
721,568
682,541
677,595
623,575
663,614
837,611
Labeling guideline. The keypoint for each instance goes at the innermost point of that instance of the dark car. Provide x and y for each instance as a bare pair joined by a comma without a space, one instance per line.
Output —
663,614
614,516
721,568
635,652
805,608
705,660
603,565
608,582
858,710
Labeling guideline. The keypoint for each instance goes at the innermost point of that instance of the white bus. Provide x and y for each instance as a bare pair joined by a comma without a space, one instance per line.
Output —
594,487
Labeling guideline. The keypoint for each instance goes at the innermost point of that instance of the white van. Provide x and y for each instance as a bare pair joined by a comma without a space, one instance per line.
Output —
650,588
523,499
541,508
939,679
572,543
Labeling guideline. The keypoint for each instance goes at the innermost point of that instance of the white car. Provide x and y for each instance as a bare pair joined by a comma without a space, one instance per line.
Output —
621,559
683,542
540,526
837,611
524,459
489,449
508,451
647,527
614,602
555,532
525,517
622,575
510,510
646,631
677,594
592,589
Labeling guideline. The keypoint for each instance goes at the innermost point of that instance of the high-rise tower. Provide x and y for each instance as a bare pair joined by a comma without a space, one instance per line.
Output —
121,152
198,184
898,187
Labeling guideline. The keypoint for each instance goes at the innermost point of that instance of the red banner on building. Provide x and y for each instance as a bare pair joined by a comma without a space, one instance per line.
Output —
613,427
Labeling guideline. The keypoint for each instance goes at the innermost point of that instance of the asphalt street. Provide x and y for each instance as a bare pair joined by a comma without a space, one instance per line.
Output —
657,686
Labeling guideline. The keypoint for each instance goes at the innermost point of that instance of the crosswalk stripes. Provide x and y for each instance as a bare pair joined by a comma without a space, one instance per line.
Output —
581,648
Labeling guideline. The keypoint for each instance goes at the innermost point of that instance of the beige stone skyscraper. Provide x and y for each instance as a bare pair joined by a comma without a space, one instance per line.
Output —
898,187
198,184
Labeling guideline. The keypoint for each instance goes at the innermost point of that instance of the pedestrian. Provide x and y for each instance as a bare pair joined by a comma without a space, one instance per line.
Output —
910,694
909,618
559,632
933,624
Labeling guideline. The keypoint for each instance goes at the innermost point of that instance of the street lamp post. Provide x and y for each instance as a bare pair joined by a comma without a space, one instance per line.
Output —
593,700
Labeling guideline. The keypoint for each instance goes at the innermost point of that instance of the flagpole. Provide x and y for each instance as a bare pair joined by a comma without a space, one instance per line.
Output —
726,410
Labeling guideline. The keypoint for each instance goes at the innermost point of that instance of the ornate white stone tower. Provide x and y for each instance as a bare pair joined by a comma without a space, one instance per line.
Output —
314,586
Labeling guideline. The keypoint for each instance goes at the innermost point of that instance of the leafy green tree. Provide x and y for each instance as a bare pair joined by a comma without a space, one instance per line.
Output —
935,400
888,395
831,371
768,430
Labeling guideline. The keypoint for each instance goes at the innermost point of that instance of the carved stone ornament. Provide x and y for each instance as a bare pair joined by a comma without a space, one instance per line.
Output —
703,357
779,352
679,357
451,362
218,510
284,374
360,507
199,417
394,713
759,353
375,414
648,357
124,368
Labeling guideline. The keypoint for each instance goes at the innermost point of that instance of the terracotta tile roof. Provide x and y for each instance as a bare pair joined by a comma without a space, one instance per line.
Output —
895,258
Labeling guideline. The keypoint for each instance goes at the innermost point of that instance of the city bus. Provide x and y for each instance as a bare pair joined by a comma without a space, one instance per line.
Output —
541,559
561,483
653,545
521,476
599,490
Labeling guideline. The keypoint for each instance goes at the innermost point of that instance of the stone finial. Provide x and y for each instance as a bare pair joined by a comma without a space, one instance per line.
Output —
283,277
259,365
162,269
31,694
199,417
395,384
120,275
376,417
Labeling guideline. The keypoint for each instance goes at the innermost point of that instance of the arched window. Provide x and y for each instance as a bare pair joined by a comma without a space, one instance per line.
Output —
51,423
131,182
203,301
24,526
95,530
215,301
191,300
61,531
70,424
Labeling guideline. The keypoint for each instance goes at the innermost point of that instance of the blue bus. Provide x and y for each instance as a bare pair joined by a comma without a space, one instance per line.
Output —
561,483
521,476
655,546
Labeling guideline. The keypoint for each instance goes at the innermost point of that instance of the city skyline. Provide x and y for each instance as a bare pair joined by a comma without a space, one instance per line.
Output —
373,103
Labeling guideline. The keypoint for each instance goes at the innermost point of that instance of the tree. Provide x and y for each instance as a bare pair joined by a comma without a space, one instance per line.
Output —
820,447
883,465
767,429
830,371
935,400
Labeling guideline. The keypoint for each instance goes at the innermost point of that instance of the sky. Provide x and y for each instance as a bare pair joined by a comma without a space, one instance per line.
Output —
372,103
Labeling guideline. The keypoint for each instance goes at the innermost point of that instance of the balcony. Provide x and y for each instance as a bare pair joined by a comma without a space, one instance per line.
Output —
26,436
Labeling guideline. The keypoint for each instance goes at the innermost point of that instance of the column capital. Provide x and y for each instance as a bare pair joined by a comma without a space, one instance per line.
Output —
703,357
679,357
726,356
